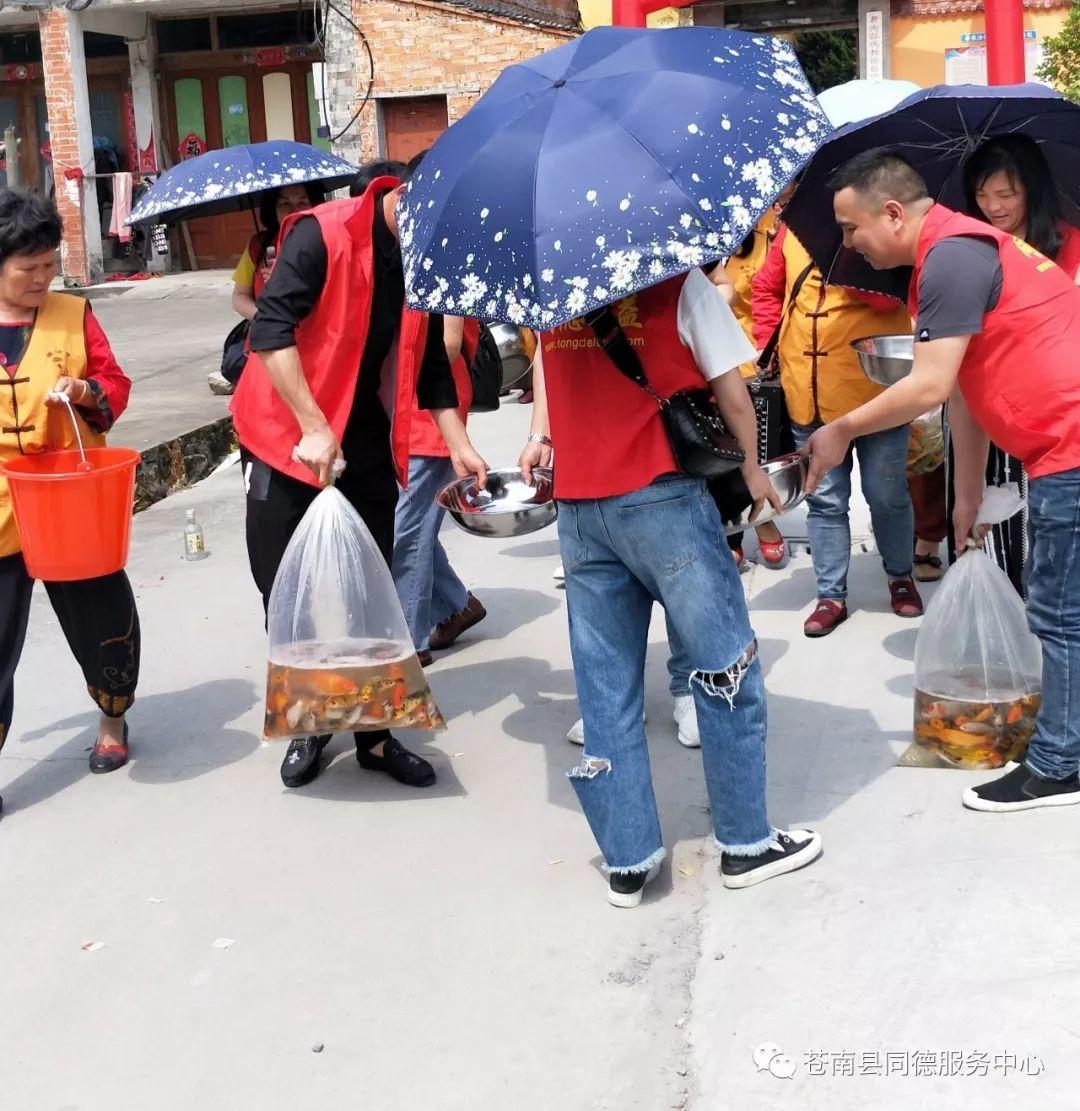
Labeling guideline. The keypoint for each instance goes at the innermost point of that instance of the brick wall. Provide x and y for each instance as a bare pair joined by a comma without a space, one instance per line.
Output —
64,139
423,48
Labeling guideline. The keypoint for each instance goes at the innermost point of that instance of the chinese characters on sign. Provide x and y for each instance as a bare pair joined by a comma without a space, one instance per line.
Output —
875,46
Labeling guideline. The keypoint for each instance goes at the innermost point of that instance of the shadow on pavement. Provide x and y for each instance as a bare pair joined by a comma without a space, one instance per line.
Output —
538,549
175,736
343,780
509,609
819,754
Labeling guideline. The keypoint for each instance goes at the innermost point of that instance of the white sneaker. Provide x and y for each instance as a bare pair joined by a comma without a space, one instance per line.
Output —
685,715
559,575
576,736
219,384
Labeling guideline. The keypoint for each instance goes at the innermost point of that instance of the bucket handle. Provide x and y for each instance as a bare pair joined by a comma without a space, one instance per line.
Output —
83,466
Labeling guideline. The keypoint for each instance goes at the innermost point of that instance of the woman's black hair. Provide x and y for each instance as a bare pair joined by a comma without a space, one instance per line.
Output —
268,211
29,225
370,171
1023,161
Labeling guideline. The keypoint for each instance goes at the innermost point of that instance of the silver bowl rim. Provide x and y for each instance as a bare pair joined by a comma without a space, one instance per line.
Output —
461,484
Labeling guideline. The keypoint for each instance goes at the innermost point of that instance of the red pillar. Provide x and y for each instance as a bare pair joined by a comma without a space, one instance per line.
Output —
1005,42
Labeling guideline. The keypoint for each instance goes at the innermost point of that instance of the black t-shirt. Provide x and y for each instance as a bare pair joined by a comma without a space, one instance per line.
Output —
959,284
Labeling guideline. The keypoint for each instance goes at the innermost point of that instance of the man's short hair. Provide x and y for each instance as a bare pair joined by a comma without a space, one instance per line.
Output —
371,170
881,175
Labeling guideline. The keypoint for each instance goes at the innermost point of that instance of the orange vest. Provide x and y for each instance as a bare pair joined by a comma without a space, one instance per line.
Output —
57,347
608,434
1020,376
819,371
331,343
741,271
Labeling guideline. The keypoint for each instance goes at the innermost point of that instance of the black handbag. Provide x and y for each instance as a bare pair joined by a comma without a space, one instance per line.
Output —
485,371
234,354
700,441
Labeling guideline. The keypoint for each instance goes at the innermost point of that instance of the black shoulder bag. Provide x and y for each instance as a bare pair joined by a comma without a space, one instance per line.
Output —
700,441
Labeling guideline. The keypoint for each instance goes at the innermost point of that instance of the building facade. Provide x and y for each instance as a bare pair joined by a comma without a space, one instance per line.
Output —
138,85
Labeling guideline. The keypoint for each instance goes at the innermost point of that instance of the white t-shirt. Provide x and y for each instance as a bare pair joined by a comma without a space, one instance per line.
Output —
708,327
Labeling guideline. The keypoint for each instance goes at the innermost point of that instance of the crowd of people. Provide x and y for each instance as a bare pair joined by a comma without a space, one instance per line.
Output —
342,382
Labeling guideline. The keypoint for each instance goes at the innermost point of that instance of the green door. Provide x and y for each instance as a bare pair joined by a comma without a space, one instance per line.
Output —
235,121
190,118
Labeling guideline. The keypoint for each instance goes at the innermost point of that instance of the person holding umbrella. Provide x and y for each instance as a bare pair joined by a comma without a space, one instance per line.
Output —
563,201
1008,183
336,361
983,301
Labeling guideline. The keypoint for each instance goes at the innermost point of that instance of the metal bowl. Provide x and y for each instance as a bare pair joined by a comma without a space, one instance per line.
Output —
515,362
506,507
787,473
886,359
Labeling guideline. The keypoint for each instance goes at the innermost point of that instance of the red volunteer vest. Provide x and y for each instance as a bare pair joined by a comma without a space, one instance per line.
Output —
608,434
331,343
425,438
1021,375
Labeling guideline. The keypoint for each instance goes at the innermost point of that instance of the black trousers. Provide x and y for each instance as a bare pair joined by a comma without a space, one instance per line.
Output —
100,622
276,504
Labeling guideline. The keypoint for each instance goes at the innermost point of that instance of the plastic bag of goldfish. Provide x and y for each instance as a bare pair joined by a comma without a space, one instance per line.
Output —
977,672
340,656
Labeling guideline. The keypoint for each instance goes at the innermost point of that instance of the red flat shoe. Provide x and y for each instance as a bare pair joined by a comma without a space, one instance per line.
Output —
906,601
740,559
773,553
828,613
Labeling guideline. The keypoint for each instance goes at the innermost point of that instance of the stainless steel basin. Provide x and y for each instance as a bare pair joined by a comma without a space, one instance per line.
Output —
506,507
886,359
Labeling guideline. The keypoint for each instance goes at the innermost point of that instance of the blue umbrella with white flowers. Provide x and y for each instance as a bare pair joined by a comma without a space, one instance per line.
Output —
602,167
228,180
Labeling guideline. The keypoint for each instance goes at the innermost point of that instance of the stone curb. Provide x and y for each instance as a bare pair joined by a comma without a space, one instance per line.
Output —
182,461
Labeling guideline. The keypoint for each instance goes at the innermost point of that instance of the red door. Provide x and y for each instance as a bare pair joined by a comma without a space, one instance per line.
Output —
411,124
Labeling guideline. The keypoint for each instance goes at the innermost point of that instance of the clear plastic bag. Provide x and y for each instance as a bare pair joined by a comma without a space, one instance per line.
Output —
340,656
926,443
977,672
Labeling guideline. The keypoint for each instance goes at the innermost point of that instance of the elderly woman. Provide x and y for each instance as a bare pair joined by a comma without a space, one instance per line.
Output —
51,347
1008,183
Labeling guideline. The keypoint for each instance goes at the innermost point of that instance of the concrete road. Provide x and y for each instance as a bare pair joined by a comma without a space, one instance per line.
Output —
452,949
167,335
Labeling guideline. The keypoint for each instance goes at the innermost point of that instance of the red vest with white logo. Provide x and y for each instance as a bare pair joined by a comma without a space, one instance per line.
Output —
1021,374
331,343
608,434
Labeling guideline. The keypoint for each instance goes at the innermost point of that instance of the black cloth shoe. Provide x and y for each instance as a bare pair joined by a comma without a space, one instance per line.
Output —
303,761
1022,789
398,763
626,889
107,756
788,851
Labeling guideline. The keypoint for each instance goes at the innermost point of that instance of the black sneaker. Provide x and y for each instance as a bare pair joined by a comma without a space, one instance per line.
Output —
398,763
302,762
788,851
1022,789
626,889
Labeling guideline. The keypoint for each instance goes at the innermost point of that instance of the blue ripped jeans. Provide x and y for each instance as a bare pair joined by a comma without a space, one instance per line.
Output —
664,543
1054,617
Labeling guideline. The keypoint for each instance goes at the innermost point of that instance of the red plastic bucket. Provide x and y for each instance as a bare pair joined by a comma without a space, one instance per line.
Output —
73,524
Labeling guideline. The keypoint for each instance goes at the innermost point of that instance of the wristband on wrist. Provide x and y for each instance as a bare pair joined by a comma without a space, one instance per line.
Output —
539,438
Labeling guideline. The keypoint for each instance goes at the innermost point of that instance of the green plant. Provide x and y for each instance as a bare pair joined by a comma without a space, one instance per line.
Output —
1061,57
827,57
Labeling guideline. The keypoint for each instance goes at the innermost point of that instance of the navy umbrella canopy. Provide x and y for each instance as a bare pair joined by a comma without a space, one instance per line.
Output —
229,180
607,165
936,130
